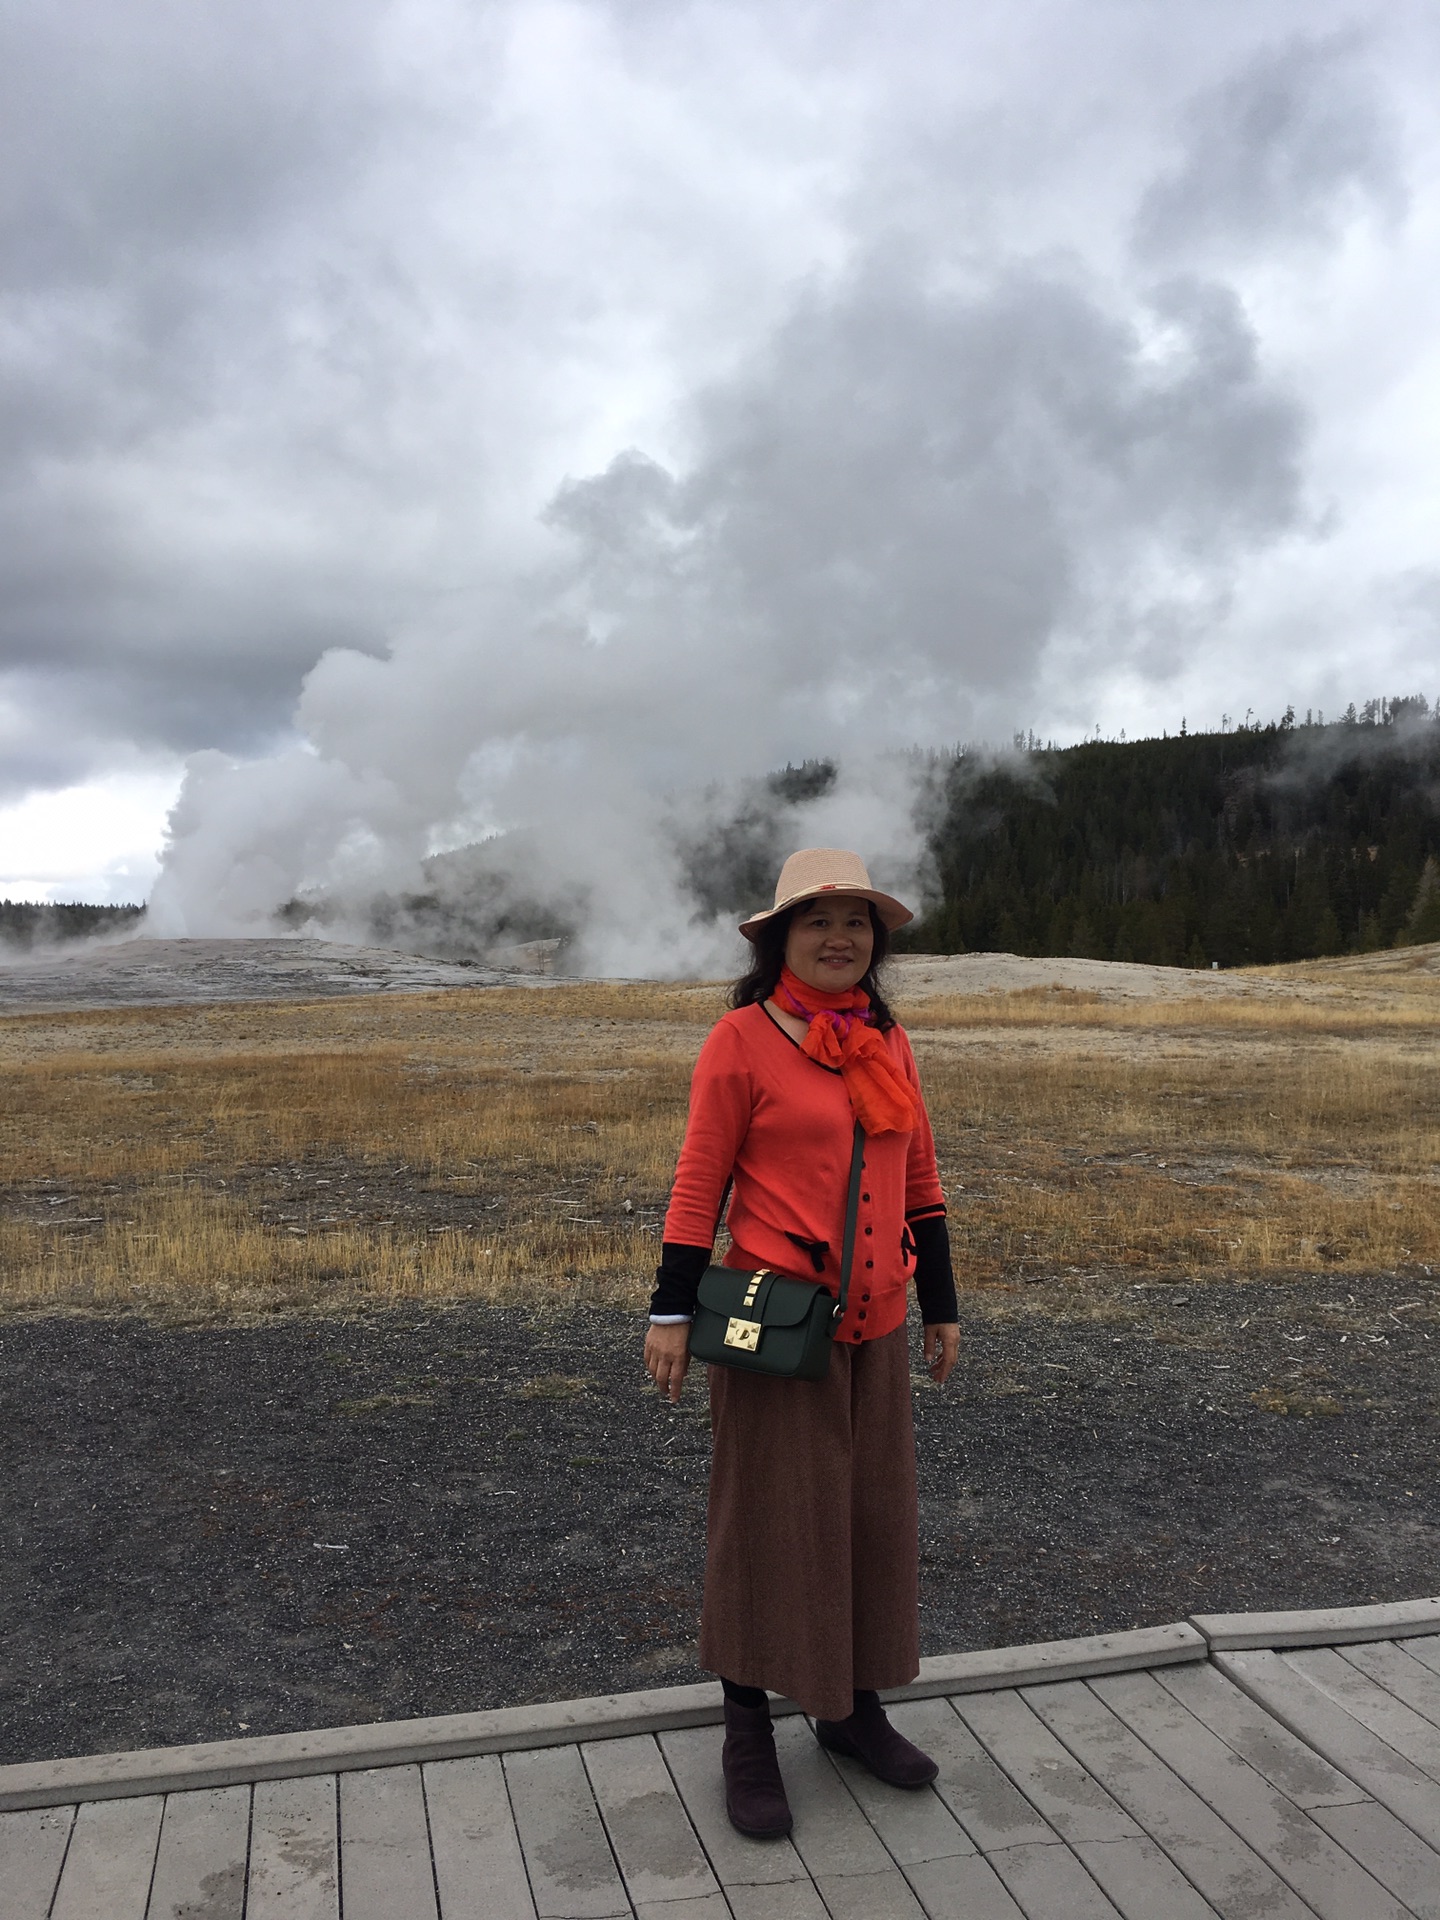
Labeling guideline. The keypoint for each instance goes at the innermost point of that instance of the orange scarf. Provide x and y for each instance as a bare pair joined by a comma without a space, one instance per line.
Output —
881,1098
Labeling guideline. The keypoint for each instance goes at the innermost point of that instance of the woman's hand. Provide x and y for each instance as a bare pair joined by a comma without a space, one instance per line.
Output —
667,1357
942,1350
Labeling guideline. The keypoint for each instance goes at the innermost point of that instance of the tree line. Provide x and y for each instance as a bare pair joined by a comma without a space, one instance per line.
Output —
26,923
1256,844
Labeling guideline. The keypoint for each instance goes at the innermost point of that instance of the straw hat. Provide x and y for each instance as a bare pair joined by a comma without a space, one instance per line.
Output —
817,870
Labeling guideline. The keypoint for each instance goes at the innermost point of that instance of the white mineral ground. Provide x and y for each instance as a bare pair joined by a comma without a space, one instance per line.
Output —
921,975
176,972
171,972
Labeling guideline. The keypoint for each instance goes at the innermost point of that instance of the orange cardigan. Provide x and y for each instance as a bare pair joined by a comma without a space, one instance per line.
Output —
767,1113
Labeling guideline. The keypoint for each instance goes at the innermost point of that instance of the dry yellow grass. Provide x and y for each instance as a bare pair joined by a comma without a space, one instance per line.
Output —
195,1250
508,1145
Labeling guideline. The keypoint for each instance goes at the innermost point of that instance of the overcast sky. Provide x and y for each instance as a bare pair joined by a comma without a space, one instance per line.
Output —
428,417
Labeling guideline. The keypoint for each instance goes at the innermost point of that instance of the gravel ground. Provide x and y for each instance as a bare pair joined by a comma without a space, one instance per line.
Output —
216,1528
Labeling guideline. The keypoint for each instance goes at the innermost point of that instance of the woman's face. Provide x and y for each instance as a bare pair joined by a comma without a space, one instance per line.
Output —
830,942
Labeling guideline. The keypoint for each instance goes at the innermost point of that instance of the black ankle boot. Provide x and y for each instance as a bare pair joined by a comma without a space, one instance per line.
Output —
867,1736
754,1792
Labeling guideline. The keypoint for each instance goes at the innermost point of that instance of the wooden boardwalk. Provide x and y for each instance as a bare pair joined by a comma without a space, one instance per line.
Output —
1281,1784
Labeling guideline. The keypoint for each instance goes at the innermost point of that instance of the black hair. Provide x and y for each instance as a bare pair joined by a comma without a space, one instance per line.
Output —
768,957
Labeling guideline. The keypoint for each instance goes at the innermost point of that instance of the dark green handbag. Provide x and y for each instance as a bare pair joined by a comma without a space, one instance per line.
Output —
768,1322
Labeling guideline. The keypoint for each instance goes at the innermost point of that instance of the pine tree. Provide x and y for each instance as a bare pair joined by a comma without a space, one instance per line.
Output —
1424,922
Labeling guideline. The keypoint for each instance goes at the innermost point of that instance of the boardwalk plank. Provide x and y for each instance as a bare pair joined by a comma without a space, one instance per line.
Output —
1302,1854
709,1906
1075,1804
1396,1724
1398,1858
200,1862
32,1851
110,1860
573,1875
294,1850
693,1757
1394,1781
650,1833
776,1900
1390,1664
1141,1881
964,1888
832,1836
385,1869
1287,1763
990,1809
479,1869
1049,1883
914,1826
1231,1876
1425,1648
869,1896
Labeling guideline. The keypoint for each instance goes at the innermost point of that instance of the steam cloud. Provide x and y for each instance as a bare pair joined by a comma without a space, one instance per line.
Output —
895,513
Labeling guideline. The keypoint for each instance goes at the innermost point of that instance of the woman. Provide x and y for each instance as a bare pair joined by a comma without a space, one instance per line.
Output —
811,1578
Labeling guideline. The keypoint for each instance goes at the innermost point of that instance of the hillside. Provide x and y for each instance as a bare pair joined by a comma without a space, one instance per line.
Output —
25,924
1247,847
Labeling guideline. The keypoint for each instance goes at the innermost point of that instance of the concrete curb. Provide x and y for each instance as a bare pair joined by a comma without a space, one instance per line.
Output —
390,1743
1320,1627
223,1763
993,1667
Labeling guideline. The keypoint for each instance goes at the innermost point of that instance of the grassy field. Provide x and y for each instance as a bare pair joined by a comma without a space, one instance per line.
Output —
518,1144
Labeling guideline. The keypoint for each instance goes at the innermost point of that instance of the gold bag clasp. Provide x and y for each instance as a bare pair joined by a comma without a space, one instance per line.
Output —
744,1334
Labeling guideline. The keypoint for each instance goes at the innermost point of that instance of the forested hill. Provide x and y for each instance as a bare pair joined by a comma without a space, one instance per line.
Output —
25,924
1266,843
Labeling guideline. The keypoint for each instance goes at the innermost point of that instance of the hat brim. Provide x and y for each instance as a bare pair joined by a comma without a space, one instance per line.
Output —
892,911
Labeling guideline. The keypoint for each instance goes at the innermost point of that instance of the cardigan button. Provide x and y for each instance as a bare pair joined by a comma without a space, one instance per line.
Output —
869,1263
869,1229
861,1314
864,1196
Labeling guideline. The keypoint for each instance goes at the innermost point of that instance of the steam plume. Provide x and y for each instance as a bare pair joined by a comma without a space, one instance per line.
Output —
913,500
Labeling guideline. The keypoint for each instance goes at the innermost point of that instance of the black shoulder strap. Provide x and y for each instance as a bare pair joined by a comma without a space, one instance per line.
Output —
852,1209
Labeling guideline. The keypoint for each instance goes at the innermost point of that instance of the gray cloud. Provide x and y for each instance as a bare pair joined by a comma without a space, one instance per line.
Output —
912,493
955,477
144,133
306,313
160,170
1282,151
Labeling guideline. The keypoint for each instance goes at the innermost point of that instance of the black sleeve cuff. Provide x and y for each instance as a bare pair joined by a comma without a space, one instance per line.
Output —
934,1276
937,1212
677,1278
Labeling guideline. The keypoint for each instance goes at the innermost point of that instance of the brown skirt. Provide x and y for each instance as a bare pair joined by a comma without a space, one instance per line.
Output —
812,1568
